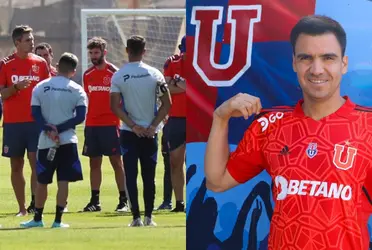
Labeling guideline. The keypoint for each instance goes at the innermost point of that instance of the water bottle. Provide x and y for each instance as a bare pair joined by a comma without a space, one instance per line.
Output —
53,150
51,153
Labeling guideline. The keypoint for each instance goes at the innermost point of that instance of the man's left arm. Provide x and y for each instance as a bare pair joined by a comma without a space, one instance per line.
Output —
80,112
169,75
181,83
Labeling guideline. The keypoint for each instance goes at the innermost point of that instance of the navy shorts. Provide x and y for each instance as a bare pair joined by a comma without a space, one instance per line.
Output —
66,162
17,137
101,140
176,132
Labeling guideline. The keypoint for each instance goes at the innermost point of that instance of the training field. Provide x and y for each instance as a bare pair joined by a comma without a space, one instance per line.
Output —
102,230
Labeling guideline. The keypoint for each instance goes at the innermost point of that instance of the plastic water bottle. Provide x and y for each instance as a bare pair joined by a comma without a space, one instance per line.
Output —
51,153
53,150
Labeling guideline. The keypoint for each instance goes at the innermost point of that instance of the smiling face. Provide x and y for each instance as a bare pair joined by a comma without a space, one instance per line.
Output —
319,65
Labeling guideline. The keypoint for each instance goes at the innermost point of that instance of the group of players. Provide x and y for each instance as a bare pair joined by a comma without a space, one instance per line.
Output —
42,106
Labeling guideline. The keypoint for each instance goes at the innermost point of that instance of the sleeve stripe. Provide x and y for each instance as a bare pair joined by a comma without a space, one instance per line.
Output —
367,194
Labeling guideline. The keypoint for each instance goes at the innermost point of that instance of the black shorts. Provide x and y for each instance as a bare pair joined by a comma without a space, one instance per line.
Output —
66,162
101,140
176,132
17,137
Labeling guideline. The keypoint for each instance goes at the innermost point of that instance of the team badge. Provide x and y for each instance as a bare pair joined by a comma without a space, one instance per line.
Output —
312,150
106,80
344,157
35,68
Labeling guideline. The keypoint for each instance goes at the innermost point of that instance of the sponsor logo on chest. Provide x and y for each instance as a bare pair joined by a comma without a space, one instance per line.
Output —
98,88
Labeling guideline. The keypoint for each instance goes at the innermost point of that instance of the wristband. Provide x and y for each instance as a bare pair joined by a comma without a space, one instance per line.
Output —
15,87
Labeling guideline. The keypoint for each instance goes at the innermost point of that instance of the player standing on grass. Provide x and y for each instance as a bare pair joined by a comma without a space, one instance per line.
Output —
102,126
176,125
167,179
140,85
58,105
19,73
45,51
318,154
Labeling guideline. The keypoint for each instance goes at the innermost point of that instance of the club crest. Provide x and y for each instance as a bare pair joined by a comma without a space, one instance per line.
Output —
312,150
35,68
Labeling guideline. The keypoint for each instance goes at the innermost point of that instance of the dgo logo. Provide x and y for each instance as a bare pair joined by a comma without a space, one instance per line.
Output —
272,118
206,19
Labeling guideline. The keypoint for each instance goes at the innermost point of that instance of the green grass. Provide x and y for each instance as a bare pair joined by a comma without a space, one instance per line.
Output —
103,230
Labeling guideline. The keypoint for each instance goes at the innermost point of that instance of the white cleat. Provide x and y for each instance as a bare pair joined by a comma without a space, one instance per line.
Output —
20,214
60,225
136,223
149,222
122,209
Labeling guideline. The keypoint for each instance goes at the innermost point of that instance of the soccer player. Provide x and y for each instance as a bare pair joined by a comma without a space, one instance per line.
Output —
19,73
45,51
139,85
58,105
102,126
176,124
318,153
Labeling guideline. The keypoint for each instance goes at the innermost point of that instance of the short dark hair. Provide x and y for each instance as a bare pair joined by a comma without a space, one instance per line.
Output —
136,44
19,31
44,46
97,42
319,25
67,63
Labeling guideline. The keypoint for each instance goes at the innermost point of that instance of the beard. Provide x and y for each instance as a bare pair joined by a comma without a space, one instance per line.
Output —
98,61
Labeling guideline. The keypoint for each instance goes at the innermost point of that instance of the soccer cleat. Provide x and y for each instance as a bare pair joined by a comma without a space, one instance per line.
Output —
122,207
60,225
148,222
65,210
136,223
90,207
20,214
180,207
32,223
165,206
31,208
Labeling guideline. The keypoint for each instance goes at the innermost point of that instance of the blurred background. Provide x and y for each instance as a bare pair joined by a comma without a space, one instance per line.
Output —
58,23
